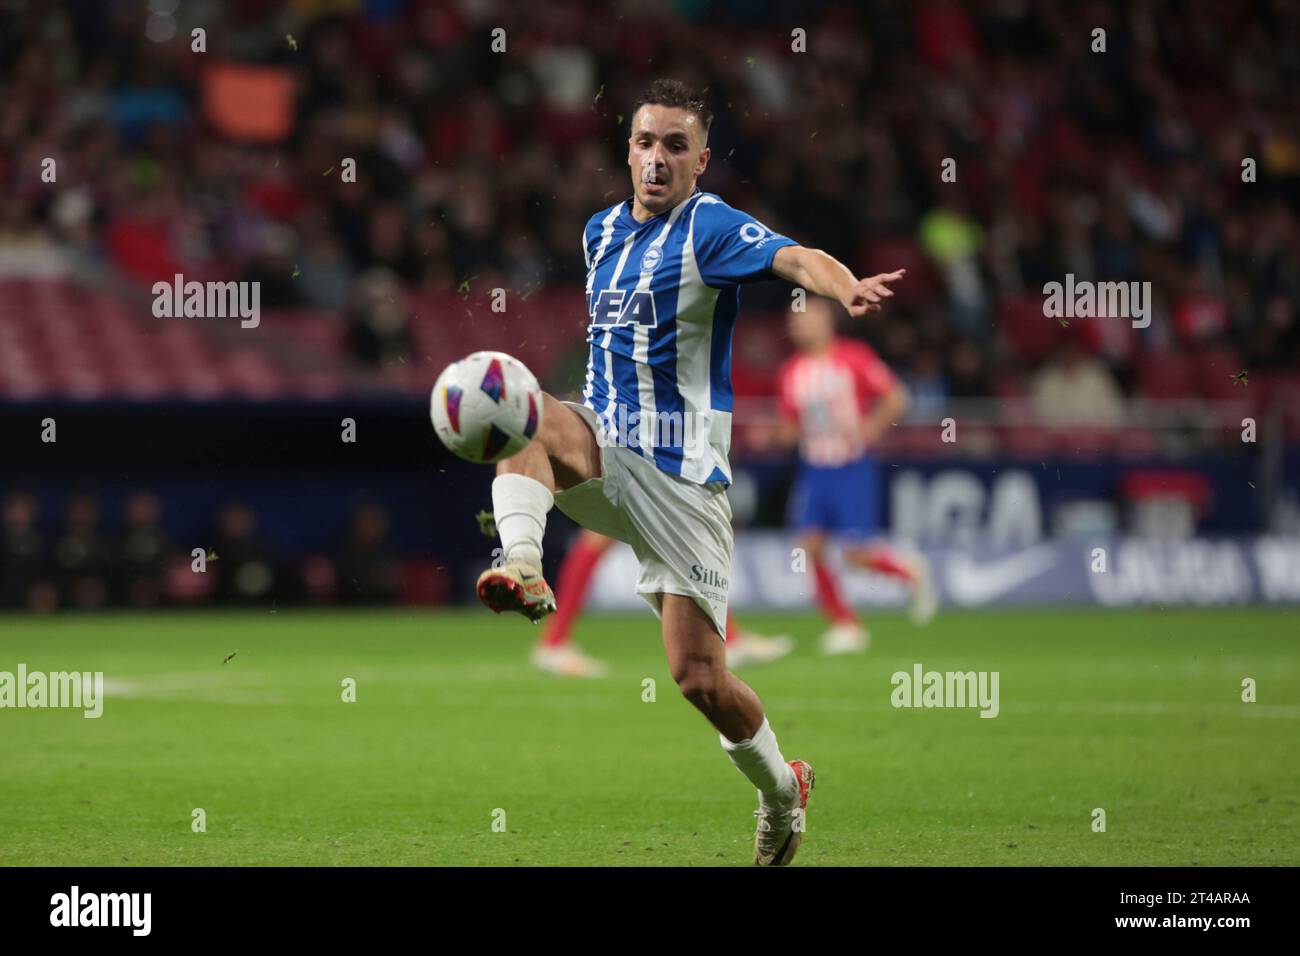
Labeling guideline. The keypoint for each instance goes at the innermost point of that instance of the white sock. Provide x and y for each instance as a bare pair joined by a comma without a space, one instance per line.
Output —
759,759
519,506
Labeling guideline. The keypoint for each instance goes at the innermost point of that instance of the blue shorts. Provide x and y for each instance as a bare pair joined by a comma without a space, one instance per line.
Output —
843,501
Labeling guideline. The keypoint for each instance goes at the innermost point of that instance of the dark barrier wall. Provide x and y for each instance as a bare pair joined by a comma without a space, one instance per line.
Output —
288,462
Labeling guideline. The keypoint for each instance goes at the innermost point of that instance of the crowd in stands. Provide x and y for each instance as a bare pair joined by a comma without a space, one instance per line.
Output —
988,147
90,561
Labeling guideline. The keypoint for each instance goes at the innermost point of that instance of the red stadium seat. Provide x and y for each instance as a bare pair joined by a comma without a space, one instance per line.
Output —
1168,375
1216,369
1031,335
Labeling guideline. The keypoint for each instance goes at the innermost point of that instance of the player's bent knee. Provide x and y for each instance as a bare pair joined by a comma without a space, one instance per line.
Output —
701,686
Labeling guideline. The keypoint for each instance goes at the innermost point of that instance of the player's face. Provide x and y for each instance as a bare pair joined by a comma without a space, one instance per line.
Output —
666,152
812,329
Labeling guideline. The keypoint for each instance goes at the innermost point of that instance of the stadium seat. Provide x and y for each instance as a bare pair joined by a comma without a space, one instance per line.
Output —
1167,375
1216,368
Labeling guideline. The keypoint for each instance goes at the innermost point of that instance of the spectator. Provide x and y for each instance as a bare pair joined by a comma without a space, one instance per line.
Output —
24,562
377,329
82,558
142,552
367,567
927,387
245,566
1076,389
967,373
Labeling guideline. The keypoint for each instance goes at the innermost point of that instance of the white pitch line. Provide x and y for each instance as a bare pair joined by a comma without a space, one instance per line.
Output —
1098,707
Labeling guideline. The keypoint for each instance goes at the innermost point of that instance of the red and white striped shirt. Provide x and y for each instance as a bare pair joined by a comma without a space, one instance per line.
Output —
830,396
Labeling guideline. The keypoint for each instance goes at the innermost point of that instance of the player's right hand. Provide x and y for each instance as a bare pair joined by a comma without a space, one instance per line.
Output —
866,295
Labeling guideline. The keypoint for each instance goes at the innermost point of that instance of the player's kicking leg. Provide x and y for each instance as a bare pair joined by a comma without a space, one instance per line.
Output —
562,455
697,661
681,533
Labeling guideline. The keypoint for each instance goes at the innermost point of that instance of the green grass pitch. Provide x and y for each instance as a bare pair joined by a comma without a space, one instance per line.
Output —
1135,712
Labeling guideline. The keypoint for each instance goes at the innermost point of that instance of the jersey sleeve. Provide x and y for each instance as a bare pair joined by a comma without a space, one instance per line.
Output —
590,239
872,378
732,247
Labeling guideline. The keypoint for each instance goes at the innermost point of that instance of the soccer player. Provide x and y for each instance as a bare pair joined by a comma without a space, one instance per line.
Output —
837,398
556,652
644,458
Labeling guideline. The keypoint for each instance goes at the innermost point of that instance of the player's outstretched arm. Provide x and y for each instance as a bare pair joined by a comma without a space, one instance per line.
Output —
823,274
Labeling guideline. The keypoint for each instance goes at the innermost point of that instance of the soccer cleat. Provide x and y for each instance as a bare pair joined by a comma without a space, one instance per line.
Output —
780,832
924,602
567,661
845,638
757,649
516,587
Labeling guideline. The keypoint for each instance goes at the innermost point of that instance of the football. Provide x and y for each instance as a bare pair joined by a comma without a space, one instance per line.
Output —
486,407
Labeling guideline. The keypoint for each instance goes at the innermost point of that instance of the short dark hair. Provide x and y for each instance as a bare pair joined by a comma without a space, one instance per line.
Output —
669,92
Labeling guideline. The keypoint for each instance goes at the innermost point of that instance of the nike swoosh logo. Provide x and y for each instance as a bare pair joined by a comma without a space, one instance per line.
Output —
972,582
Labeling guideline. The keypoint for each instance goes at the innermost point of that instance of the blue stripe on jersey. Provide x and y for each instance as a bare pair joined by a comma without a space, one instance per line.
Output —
668,398
625,385
721,395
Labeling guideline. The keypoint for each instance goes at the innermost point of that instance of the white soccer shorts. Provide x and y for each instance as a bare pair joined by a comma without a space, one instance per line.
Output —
680,531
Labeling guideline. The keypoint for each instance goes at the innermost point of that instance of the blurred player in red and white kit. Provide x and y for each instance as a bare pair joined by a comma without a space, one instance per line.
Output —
837,398
556,652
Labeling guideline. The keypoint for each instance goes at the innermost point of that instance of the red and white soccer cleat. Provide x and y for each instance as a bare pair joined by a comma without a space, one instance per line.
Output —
516,587
780,832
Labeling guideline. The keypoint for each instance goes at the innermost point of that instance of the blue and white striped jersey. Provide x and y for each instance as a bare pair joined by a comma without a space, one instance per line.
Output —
662,297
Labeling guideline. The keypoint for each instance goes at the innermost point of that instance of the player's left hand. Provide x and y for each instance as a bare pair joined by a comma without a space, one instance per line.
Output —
866,295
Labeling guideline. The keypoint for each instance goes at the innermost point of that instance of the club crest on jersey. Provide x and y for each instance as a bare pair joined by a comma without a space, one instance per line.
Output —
619,307
650,261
